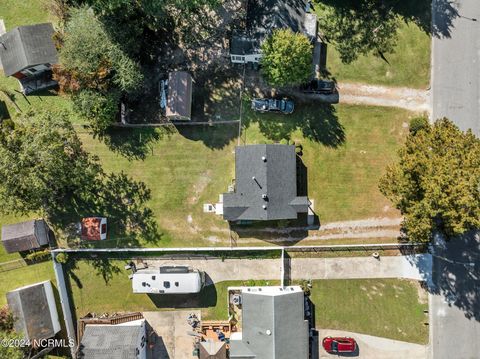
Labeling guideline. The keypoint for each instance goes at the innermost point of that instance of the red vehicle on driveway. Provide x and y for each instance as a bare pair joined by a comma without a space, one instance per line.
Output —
339,345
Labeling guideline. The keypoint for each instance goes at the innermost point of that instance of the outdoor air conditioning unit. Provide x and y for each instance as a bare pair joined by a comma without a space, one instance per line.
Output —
237,299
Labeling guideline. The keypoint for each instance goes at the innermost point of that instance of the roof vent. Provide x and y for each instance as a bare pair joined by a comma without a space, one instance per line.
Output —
253,178
264,206
264,196
268,332
264,159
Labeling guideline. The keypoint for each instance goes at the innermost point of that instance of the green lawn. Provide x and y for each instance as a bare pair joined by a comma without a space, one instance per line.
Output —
408,66
345,150
24,276
388,308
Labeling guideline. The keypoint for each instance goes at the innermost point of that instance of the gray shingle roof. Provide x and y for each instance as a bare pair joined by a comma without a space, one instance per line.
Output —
24,236
264,171
27,46
273,326
109,342
179,102
29,306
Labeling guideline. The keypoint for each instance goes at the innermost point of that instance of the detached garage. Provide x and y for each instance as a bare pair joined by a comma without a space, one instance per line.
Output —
179,98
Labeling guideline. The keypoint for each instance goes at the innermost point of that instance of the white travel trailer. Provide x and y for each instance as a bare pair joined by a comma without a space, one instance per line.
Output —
168,280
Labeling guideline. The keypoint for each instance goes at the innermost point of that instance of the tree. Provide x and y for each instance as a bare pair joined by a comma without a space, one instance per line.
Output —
97,62
42,164
358,27
436,182
99,108
287,58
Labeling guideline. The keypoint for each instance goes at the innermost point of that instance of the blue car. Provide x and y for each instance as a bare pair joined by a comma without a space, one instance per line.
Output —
284,106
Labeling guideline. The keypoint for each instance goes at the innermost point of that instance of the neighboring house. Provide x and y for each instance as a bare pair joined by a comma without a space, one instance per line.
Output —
179,97
168,280
211,349
265,185
264,16
273,324
34,310
27,53
25,236
93,229
120,341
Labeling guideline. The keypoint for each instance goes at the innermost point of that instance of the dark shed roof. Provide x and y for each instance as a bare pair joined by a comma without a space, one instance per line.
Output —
34,316
27,46
24,236
110,341
243,45
266,184
179,102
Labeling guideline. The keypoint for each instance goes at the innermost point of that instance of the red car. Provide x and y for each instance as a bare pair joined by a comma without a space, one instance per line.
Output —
339,344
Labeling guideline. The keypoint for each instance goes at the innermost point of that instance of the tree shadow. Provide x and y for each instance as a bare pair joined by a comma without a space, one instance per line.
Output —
455,271
318,122
214,137
135,143
117,197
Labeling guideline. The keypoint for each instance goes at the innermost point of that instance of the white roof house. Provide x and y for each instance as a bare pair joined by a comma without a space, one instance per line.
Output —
168,280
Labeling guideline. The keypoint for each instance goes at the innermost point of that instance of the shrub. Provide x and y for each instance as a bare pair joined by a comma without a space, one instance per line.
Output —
61,258
6,319
418,123
38,256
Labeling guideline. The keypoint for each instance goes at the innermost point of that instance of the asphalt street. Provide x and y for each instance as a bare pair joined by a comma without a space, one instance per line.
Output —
455,299
456,62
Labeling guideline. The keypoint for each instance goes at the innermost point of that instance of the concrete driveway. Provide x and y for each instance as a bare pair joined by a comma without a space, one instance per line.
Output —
172,340
374,347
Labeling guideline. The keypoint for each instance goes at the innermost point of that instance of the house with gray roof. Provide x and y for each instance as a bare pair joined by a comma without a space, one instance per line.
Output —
27,53
34,310
265,16
265,185
273,324
25,236
119,341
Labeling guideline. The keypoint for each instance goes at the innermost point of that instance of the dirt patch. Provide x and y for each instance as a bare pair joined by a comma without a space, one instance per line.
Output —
200,186
422,293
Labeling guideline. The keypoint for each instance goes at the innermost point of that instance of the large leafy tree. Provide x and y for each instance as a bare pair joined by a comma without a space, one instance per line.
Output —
94,58
436,181
358,27
43,167
287,58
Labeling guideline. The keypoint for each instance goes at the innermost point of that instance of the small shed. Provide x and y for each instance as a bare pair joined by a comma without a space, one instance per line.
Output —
34,310
93,229
179,99
28,50
211,349
25,236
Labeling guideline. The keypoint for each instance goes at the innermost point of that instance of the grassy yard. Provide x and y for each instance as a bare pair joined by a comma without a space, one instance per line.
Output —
388,308
345,150
408,66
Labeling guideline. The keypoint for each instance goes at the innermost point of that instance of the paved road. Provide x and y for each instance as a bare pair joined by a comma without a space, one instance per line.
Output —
455,302
375,347
456,62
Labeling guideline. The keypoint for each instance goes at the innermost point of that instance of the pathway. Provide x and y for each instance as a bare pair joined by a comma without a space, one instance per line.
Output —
372,95
376,347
